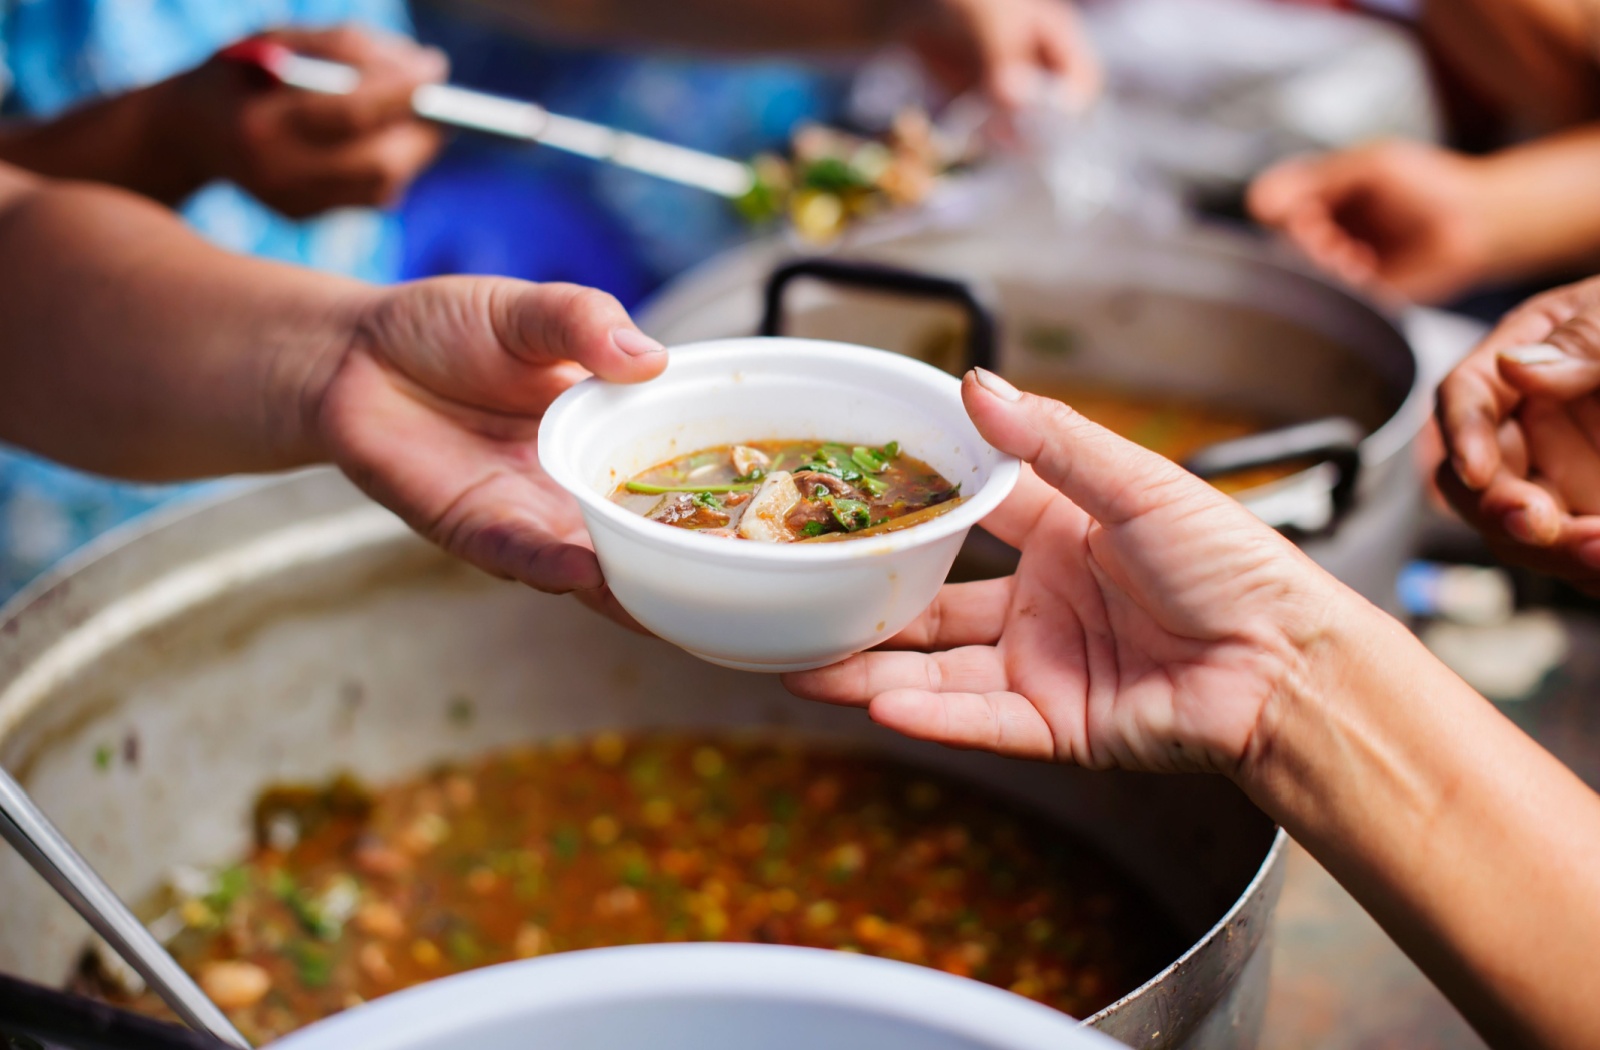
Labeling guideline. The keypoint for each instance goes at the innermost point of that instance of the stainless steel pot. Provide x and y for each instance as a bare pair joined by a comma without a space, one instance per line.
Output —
295,630
1201,314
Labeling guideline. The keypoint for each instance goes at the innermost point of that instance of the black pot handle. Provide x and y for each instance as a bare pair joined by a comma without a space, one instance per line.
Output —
1335,440
981,327
33,1016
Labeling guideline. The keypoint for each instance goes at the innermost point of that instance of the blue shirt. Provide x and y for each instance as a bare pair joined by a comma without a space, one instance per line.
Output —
57,54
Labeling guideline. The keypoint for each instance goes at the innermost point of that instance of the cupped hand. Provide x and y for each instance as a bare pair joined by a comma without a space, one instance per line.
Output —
302,152
1402,217
1149,625
434,411
1520,419
1016,51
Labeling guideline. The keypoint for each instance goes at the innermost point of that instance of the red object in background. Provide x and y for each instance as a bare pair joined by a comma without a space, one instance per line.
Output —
258,54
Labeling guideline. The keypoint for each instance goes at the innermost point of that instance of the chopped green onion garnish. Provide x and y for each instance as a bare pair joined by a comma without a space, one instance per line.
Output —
870,460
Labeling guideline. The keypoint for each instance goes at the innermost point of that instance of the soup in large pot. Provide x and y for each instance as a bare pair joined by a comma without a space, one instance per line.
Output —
527,778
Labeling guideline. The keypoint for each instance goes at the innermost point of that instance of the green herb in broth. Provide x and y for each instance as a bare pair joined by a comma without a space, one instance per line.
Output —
786,491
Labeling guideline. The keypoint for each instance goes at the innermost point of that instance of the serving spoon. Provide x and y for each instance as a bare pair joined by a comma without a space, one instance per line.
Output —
43,846
512,118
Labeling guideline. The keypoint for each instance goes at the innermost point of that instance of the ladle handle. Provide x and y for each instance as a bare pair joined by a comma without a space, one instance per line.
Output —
981,327
43,846
1335,440
57,1020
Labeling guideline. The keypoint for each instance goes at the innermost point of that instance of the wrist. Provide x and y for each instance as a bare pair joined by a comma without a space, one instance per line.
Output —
1320,690
304,367
170,136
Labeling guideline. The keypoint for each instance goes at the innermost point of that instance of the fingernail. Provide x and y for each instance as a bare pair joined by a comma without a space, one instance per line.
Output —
996,386
1589,553
1519,526
1535,354
635,343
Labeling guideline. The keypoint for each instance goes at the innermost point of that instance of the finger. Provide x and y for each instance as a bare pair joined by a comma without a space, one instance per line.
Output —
1524,510
854,682
391,68
378,169
1013,520
1478,394
962,614
382,99
1565,365
1111,478
541,324
489,526
364,48
1514,448
1282,190
1002,722
602,601
1472,402
372,171
1330,246
1065,51
1562,453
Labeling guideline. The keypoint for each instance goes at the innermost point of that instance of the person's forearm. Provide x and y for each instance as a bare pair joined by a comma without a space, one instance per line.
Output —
137,141
1475,848
131,347
1535,59
1540,205
714,24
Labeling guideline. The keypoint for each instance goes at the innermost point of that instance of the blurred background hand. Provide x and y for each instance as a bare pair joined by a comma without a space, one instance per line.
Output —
1403,216
434,411
1520,419
1149,623
1016,51
303,153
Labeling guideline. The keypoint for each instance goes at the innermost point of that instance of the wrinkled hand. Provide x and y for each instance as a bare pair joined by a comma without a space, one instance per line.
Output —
1521,423
301,152
1403,217
1011,49
1149,625
434,411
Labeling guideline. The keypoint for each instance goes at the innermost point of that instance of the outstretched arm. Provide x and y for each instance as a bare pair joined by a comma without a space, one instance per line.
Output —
133,348
999,46
1154,624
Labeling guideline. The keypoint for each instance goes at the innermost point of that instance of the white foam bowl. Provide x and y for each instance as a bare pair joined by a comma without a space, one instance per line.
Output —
760,606
700,997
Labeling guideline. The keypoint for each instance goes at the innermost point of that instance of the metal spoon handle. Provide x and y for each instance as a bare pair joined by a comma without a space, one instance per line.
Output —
515,119
43,846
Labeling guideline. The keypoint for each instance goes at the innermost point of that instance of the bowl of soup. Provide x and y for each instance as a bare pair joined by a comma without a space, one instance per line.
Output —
775,504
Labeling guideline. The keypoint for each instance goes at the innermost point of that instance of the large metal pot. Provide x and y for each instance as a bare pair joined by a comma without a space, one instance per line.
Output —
1201,314
295,630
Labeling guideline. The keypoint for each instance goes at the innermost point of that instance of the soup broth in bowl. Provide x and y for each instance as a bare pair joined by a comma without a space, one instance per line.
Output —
791,491
775,606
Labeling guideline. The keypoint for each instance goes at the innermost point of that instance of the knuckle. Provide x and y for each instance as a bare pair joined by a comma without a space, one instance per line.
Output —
1580,334
346,39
